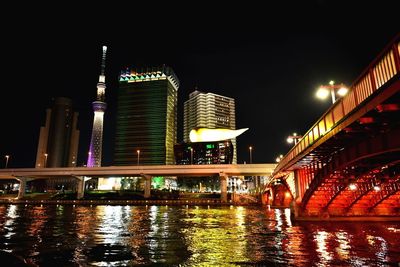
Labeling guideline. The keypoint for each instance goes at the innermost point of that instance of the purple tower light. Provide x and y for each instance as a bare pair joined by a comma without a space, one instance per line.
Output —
99,106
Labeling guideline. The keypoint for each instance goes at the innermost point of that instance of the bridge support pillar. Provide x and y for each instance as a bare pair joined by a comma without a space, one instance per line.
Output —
223,185
147,185
295,209
22,187
80,187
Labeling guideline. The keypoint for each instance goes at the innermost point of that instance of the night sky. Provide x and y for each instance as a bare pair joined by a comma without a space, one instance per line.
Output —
271,63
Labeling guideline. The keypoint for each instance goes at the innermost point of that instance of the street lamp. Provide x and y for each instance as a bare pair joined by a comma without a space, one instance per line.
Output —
138,156
278,159
293,138
250,152
191,155
45,160
324,91
7,157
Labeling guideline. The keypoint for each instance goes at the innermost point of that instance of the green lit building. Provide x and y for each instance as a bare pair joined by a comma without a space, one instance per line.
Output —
146,125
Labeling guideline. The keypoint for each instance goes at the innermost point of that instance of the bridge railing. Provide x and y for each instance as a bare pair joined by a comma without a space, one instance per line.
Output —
385,66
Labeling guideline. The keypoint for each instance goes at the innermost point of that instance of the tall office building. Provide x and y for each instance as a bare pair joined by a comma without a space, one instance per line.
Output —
99,106
59,138
146,125
207,110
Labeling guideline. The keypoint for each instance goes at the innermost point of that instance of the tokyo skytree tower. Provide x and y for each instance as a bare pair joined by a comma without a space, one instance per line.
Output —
99,106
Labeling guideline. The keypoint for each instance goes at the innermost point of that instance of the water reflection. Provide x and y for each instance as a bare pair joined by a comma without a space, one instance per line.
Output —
343,250
190,236
215,236
321,239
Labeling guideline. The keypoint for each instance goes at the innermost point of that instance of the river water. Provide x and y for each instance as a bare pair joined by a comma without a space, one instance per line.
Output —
67,235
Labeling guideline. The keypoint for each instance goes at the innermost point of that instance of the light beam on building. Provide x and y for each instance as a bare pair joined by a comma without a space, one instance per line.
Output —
208,135
99,106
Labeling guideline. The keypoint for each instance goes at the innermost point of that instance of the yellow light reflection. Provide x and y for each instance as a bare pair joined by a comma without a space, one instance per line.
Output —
278,218
240,216
208,244
321,238
343,250
287,217
39,218
84,228
12,215
380,247
111,225
395,230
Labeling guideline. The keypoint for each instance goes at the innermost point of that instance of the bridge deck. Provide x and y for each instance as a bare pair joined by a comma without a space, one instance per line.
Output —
154,170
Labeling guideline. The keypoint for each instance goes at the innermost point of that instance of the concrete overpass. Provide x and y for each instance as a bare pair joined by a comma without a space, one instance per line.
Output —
147,172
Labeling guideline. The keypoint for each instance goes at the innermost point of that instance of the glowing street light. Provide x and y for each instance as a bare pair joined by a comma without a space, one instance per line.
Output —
191,155
324,91
278,159
138,156
352,187
45,160
293,138
250,152
7,157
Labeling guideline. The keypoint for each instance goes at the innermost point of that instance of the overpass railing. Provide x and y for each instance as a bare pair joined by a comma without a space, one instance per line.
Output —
385,66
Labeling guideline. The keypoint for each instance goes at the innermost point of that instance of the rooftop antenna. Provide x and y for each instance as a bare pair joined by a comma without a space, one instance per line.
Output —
103,60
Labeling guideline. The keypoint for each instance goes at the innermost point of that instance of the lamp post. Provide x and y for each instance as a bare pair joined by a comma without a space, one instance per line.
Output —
250,152
7,157
324,90
278,159
293,138
138,156
191,155
45,160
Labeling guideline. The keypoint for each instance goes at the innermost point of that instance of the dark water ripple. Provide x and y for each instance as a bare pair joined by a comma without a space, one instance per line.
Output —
190,236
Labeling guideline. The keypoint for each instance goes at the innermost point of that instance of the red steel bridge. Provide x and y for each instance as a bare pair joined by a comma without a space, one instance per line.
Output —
348,162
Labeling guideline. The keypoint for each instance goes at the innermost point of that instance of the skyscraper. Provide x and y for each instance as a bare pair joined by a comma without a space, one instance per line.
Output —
59,138
208,110
99,106
146,122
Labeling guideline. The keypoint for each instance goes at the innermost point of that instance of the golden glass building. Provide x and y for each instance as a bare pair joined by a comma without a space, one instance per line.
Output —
146,125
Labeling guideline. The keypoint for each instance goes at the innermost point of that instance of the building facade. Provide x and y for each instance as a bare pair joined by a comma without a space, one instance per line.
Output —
146,123
58,140
208,110
59,137
218,152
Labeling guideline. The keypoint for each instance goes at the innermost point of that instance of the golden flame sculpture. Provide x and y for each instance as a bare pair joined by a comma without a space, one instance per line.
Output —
210,135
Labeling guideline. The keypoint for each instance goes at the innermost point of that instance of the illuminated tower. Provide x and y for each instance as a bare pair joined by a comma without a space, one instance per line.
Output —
99,106
208,110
